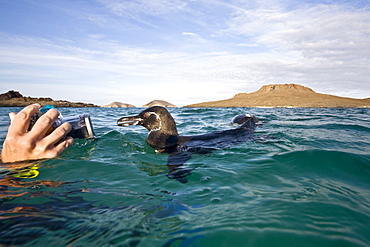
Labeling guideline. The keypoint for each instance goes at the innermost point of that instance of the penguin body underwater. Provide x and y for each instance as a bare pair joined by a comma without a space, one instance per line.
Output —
163,135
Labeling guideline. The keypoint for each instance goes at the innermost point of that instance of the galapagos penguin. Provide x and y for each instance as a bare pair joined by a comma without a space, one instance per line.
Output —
163,135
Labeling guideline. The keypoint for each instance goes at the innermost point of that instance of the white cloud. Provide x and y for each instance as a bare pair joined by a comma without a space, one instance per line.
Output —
321,46
147,7
189,34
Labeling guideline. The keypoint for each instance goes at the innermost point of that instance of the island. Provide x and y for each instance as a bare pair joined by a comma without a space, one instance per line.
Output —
273,95
15,99
159,103
287,96
116,104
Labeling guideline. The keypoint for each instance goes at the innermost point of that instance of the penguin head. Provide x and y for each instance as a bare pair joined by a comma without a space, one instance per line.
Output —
156,118
163,134
242,118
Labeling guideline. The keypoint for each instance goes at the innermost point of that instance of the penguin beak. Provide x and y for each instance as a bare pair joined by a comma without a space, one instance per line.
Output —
129,121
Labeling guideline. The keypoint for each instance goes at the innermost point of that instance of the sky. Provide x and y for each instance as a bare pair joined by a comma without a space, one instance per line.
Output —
182,51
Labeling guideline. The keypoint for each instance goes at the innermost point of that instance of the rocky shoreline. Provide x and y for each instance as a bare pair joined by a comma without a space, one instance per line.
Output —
15,99
274,95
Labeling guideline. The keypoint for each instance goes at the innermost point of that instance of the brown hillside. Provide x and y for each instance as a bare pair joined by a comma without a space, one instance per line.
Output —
286,95
159,103
116,104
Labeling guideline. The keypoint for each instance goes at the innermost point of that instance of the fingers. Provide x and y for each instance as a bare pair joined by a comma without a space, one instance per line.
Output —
21,121
63,145
54,151
54,144
44,123
21,144
58,133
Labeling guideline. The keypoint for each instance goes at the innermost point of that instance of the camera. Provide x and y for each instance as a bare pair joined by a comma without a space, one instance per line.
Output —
82,127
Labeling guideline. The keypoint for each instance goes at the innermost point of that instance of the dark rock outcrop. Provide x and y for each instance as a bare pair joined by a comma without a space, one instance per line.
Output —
10,95
15,99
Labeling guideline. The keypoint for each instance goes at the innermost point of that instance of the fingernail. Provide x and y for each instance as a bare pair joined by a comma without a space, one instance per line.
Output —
37,105
69,141
11,116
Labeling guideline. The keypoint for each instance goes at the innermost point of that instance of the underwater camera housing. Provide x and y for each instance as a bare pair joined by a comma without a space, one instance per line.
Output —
82,127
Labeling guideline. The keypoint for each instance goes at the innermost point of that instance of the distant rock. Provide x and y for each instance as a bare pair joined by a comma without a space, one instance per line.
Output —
15,99
286,95
116,104
159,103
10,95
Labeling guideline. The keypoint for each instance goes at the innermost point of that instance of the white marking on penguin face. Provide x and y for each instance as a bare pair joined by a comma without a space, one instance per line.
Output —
136,122
148,114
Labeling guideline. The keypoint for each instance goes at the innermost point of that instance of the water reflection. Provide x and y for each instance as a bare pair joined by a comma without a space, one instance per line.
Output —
31,212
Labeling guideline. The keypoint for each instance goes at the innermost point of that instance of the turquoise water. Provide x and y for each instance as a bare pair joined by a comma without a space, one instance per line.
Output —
303,180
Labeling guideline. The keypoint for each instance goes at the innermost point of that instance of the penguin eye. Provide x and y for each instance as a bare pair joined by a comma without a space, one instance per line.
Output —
148,115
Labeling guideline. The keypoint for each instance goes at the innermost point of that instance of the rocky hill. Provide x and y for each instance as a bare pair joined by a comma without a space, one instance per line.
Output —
286,95
159,103
116,104
14,98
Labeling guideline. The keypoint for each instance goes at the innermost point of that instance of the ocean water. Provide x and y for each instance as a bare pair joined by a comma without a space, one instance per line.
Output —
302,180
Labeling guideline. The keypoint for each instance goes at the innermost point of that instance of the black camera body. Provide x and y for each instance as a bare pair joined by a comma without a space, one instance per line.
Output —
82,127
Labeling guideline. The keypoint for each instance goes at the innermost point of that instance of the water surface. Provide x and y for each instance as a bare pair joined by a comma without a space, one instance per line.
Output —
303,180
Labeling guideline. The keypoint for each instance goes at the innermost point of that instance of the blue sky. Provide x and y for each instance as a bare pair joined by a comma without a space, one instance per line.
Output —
184,52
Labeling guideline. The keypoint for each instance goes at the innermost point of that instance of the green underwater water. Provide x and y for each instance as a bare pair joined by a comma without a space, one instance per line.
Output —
303,180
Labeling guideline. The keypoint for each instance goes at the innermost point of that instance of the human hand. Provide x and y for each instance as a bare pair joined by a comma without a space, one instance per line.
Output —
21,145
